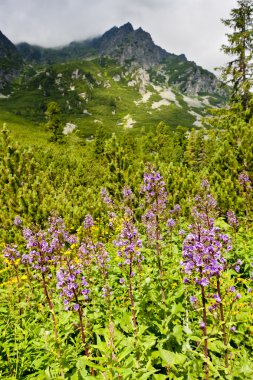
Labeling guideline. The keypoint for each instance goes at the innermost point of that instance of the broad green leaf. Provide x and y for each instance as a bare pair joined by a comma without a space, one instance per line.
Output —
147,375
160,377
127,351
187,330
178,333
172,358
84,361
177,309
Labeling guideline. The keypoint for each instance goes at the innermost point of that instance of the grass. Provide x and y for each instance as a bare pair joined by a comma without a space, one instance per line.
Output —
22,130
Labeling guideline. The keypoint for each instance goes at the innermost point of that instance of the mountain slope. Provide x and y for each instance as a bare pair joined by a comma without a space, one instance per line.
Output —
10,62
134,48
119,80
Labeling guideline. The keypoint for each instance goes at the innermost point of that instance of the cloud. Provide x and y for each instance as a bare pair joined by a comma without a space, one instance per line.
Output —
192,27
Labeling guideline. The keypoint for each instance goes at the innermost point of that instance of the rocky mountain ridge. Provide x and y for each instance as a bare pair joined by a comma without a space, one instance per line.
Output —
119,80
135,47
125,45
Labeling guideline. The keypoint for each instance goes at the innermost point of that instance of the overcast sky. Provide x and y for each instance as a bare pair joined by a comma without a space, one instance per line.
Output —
192,27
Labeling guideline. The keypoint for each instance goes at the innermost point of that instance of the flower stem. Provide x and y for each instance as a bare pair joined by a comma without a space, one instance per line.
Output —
83,336
132,299
204,331
158,252
51,308
223,323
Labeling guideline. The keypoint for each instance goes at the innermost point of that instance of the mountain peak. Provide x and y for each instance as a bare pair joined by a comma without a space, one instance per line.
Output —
125,44
128,27
5,43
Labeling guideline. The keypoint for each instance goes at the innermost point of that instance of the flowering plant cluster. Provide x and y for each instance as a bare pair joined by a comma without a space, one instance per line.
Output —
129,246
45,245
93,255
11,254
232,220
204,261
72,284
203,253
156,200
244,181
82,270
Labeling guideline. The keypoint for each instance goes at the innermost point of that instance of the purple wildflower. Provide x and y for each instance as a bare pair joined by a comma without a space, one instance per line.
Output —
232,220
88,222
154,190
244,180
217,298
202,324
170,223
205,184
112,217
176,210
203,247
193,299
202,253
17,220
72,284
11,253
45,245
106,197
127,193
129,244
156,200
213,307
237,266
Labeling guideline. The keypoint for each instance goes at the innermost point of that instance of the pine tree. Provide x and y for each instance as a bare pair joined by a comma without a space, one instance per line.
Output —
100,138
54,121
239,71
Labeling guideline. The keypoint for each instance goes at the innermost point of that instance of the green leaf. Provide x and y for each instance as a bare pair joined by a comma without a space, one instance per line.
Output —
172,358
146,375
178,333
216,346
246,369
180,291
124,353
177,308
75,376
84,361
125,323
160,377
187,330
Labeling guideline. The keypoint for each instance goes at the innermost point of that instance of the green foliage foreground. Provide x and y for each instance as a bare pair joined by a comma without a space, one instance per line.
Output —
126,318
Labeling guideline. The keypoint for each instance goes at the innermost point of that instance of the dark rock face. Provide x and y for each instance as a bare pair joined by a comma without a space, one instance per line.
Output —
127,45
10,61
199,81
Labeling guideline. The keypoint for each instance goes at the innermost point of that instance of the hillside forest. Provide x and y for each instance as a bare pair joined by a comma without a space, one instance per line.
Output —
128,254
